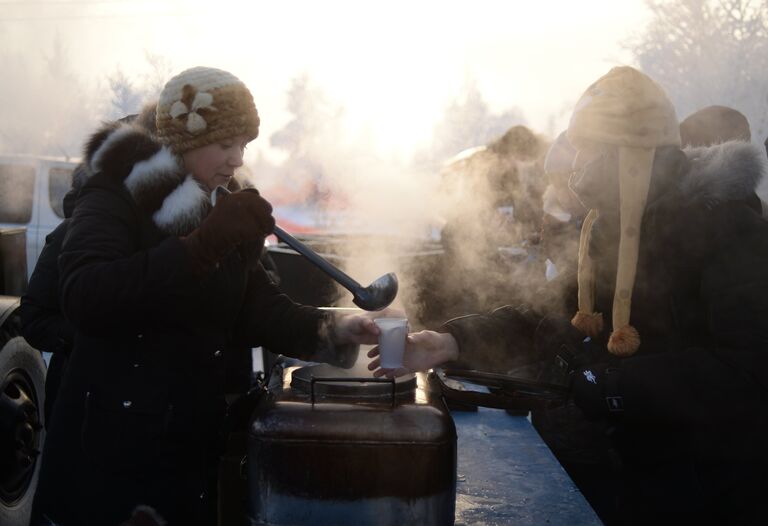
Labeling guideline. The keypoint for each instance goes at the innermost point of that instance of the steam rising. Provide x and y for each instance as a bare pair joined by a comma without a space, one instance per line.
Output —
461,234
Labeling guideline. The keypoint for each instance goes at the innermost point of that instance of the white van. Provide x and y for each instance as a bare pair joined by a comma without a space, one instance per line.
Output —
31,193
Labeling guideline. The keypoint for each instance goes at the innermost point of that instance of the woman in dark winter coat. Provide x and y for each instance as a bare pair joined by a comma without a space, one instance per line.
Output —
158,285
682,379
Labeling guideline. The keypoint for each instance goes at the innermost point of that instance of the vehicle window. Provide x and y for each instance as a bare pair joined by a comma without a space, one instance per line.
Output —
17,188
59,183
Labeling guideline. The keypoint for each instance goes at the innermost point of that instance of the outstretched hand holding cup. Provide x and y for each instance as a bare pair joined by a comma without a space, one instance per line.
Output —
423,351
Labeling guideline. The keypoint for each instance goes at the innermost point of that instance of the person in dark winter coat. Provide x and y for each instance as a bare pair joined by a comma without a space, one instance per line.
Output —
158,284
674,254
43,324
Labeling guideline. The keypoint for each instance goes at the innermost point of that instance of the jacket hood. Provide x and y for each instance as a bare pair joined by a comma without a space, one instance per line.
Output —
151,173
729,171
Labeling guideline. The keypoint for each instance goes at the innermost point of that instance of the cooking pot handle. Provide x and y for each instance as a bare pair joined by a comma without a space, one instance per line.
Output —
313,379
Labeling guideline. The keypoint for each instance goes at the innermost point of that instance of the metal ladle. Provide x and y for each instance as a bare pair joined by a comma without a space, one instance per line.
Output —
376,296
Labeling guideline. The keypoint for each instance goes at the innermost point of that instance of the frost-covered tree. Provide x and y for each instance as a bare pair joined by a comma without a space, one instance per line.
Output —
468,121
159,70
129,93
46,109
312,139
313,117
707,52
126,98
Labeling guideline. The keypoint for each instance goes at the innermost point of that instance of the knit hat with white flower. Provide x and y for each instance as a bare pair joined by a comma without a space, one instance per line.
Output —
201,105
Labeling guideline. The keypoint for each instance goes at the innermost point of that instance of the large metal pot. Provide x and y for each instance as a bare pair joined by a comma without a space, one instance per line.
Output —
324,448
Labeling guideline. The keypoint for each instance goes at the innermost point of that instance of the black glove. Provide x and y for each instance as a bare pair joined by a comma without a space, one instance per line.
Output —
240,217
561,349
595,390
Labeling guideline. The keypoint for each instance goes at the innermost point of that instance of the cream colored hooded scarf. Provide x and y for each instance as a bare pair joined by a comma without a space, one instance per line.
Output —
624,108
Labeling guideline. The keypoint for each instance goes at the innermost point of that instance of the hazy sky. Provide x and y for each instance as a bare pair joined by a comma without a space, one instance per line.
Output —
394,65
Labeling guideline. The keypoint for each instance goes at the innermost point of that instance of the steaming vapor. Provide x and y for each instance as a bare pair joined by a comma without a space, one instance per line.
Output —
394,208
462,238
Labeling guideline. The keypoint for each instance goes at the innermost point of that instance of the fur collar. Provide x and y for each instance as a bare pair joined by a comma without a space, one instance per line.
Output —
151,173
729,171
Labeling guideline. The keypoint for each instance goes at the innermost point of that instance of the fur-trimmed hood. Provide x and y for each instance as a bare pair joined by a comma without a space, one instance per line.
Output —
729,171
152,174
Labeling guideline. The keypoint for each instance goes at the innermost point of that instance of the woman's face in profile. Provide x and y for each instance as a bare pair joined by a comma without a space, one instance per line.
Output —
595,178
215,164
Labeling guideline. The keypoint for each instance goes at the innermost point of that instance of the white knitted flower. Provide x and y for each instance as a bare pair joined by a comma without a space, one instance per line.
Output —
192,104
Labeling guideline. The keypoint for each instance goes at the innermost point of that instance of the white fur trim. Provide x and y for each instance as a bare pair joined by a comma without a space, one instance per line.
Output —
731,170
762,192
182,207
116,136
146,173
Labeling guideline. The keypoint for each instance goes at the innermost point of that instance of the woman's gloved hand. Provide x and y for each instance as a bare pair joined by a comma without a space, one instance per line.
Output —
237,218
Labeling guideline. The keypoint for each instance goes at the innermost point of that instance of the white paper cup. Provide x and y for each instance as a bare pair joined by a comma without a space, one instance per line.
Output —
392,341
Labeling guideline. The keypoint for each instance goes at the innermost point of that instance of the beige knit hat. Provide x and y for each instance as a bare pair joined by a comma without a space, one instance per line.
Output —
203,105
624,108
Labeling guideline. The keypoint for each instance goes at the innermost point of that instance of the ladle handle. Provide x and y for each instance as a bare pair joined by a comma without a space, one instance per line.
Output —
339,276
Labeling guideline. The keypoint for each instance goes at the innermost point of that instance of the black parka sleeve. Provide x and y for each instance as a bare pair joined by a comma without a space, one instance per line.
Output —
496,341
270,318
108,282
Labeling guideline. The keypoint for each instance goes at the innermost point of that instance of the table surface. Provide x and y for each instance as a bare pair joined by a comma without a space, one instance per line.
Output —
507,475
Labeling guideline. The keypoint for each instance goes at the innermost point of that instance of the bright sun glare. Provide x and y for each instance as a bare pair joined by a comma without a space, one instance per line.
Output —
394,67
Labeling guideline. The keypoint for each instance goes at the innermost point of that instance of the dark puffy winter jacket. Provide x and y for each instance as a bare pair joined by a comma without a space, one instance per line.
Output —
141,403
694,426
